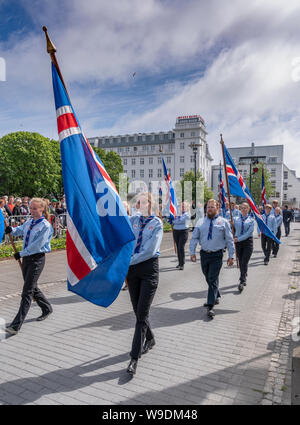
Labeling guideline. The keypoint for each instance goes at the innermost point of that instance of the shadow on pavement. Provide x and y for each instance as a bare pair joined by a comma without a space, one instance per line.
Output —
66,300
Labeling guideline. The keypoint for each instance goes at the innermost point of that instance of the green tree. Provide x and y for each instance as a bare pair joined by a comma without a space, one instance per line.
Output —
29,165
190,176
112,163
256,184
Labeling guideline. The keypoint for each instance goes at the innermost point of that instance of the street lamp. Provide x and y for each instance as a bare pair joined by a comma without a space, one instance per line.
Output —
195,146
253,161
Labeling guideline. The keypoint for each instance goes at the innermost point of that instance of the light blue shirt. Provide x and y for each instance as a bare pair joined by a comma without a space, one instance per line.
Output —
39,239
278,219
221,236
182,222
248,228
151,240
235,214
272,223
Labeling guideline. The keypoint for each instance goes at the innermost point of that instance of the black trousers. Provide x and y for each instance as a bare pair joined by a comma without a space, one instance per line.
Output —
180,238
244,251
266,245
32,267
275,246
142,281
287,227
211,264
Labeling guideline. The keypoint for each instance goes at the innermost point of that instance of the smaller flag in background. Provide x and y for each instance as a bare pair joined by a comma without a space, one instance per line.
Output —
173,207
223,198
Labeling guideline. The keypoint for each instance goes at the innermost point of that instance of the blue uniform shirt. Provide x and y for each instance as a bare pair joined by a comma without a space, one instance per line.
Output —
248,228
151,240
272,223
39,239
182,222
235,213
278,219
221,236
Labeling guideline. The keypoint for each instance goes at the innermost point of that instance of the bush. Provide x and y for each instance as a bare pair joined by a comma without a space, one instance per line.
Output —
6,251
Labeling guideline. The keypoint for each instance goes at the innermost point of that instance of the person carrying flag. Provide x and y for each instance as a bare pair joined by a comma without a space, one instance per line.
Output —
244,227
180,233
266,241
37,236
143,274
213,234
278,217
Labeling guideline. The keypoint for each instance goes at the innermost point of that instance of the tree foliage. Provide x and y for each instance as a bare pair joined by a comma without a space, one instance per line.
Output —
256,184
190,176
30,164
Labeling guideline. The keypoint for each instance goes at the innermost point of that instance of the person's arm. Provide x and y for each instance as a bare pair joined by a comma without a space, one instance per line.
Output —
39,241
18,231
248,233
229,240
194,240
150,247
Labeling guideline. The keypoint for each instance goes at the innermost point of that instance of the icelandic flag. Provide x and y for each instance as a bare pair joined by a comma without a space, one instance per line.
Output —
263,190
100,240
172,201
238,187
1,225
222,194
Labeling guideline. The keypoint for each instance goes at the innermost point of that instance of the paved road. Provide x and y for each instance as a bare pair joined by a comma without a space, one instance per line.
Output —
80,354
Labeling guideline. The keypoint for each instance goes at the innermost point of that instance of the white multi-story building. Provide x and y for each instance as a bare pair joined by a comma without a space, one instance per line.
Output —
284,181
142,159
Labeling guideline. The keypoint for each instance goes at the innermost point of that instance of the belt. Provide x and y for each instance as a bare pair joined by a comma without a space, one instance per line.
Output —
211,252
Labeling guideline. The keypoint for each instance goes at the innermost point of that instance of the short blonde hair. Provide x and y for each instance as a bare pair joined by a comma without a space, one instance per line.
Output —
151,200
213,200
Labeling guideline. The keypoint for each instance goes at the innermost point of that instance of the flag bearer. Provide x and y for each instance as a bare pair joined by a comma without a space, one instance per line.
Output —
143,274
213,234
180,233
244,227
278,217
37,234
266,241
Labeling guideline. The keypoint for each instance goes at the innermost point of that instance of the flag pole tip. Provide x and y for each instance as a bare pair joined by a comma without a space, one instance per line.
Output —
50,46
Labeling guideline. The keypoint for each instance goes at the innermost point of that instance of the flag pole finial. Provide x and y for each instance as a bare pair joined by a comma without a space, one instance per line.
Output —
50,46
221,141
160,149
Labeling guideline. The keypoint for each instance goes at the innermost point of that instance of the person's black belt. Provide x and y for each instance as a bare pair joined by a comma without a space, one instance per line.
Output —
211,252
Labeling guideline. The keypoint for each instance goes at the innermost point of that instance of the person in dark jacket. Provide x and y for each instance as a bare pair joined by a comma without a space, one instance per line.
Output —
287,217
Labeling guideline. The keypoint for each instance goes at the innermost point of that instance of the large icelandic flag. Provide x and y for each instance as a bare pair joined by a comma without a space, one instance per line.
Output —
100,240
222,193
263,190
238,187
1,225
172,201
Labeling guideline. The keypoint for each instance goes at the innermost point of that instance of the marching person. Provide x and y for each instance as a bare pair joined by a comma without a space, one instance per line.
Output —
37,235
180,233
287,216
244,227
126,205
213,233
266,241
275,204
275,245
143,274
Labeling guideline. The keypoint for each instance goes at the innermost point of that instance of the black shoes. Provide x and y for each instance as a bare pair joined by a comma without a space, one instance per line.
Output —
241,287
132,367
217,301
209,305
266,262
210,313
148,345
177,267
44,316
181,267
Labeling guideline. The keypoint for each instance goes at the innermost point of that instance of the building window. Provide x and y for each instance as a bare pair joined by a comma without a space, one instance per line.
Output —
125,161
285,186
285,174
127,149
141,161
131,139
150,172
139,138
273,172
285,197
123,139
132,161
192,158
125,171
150,160
152,148
142,173
277,195
192,134
181,172
156,137
133,173
168,159
273,183
181,145
166,136
182,159
144,148
273,159
148,138
159,160
135,148
181,134
159,172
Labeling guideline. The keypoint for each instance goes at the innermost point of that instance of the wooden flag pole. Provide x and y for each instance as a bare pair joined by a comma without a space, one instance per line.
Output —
13,244
228,194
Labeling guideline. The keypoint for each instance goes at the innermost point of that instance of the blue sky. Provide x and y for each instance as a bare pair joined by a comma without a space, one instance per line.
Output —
233,63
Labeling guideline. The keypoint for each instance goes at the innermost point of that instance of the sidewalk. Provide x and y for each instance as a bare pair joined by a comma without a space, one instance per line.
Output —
80,354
